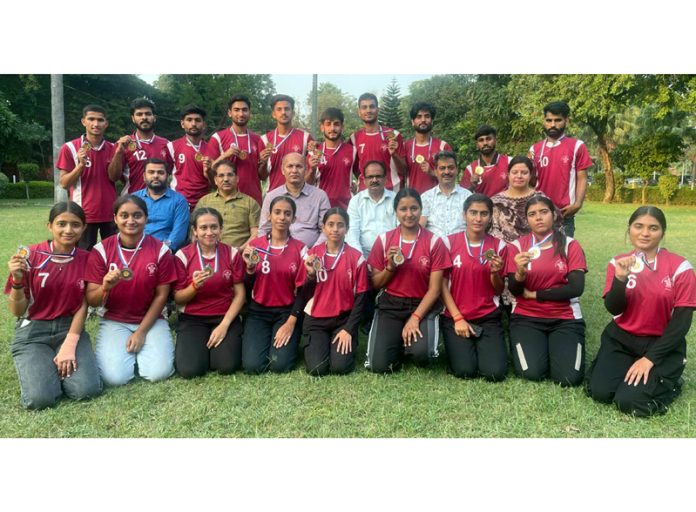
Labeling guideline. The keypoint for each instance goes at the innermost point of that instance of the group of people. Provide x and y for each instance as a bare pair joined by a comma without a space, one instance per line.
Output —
318,255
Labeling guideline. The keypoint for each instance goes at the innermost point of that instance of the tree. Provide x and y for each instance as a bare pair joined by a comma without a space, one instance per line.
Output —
390,106
329,95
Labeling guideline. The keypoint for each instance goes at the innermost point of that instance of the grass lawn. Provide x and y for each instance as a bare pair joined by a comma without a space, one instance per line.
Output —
412,403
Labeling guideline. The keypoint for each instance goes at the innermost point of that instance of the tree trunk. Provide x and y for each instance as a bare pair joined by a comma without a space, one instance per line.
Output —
608,170
643,193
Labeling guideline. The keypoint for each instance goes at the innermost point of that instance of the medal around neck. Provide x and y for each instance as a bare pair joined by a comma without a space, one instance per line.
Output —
391,135
399,258
637,266
420,159
132,146
534,252
479,170
317,265
243,155
254,257
489,254
23,252
87,146
198,157
126,274
208,270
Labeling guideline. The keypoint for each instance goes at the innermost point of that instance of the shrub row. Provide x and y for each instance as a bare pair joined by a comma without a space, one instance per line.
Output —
683,196
37,190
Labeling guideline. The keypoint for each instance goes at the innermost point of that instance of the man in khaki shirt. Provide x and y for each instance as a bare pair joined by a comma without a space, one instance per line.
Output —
240,213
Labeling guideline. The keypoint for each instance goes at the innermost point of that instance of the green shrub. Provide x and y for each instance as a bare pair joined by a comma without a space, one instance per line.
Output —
4,181
667,185
28,171
684,196
37,190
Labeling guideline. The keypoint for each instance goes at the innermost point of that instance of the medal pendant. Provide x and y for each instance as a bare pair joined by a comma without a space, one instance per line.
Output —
488,255
243,155
132,146
420,159
534,252
399,258
479,170
126,274
254,257
198,157
23,252
637,267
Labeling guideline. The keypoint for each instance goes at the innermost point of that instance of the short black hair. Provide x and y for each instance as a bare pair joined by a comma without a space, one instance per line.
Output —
226,162
141,103
560,108
93,108
485,129
422,105
444,155
330,114
157,161
368,96
282,97
193,109
376,162
239,97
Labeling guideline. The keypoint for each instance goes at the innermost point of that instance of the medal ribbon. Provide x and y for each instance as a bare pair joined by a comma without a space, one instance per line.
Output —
97,148
641,255
200,256
539,244
413,246
52,254
338,256
197,149
267,252
326,155
468,249
413,149
236,140
275,139
135,252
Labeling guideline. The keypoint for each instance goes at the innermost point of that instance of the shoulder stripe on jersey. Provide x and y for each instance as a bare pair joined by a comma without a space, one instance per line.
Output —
73,151
303,251
612,262
180,254
446,241
100,249
383,239
568,241
164,249
433,241
442,145
501,246
516,243
683,267
216,136
234,252
361,260
305,141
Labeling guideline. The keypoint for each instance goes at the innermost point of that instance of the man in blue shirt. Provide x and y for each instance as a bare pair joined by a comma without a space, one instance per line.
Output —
168,211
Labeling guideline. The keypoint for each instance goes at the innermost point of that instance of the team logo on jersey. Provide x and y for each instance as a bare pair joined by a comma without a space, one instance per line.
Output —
293,267
227,274
163,153
350,275
561,267
384,147
151,269
346,161
80,284
565,159
296,148
667,283
424,261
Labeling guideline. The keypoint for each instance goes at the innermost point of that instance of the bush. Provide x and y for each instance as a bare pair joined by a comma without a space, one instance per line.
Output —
4,181
28,171
37,190
684,196
667,185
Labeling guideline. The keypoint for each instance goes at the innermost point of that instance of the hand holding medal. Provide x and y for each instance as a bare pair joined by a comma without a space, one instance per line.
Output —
18,264
313,265
199,277
624,266
393,143
495,262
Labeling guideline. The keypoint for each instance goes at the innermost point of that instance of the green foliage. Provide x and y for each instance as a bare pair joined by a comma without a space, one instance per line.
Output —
668,186
29,171
390,107
36,189
4,181
328,95
683,196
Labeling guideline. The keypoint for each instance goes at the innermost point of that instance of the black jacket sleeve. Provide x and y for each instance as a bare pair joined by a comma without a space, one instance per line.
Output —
356,313
304,293
573,288
615,299
673,336
515,287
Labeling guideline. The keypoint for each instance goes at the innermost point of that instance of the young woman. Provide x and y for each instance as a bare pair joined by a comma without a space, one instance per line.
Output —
129,275
407,263
51,350
546,273
209,293
471,324
334,281
273,325
652,294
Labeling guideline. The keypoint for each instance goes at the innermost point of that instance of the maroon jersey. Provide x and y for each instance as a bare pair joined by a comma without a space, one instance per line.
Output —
494,178
373,146
470,275
295,142
216,294
417,179
549,270
93,190
134,161
556,167
152,265
188,178
343,277
654,292
54,287
425,255
276,273
335,171
250,146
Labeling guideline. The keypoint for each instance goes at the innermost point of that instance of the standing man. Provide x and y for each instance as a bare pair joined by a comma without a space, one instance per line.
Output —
561,164
132,151
242,147
331,162
443,205
192,157
167,210
489,173
240,212
83,165
281,141
376,142
421,149
312,202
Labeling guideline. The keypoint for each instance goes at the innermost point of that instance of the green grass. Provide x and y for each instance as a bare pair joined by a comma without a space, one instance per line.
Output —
412,403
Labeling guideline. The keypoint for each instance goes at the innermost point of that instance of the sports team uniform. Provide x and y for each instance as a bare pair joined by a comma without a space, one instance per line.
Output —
417,179
247,162
477,302
657,305
401,297
335,172
547,334
294,142
188,178
374,146
134,161
494,178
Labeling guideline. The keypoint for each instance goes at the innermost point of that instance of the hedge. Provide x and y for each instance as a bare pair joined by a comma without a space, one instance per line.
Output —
683,196
37,190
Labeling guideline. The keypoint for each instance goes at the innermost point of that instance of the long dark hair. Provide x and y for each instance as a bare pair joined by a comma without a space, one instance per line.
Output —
558,239
480,198
653,211
337,210
407,192
67,207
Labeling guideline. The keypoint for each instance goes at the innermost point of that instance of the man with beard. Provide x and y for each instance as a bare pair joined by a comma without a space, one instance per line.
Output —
242,147
330,165
561,164
281,141
377,142
421,149
192,157
489,174
167,210
132,151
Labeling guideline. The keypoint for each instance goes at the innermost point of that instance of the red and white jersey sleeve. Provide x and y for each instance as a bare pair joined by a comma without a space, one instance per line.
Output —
417,179
336,288
469,279
556,167
247,167
215,296
152,265
93,190
134,161
652,294
411,279
549,270
295,142
374,146
188,178
53,289
494,178
335,172
276,274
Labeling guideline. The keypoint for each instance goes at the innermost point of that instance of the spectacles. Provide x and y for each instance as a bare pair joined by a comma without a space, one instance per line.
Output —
369,178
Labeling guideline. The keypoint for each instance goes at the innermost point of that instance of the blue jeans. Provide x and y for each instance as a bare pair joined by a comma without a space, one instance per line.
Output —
35,345
117,365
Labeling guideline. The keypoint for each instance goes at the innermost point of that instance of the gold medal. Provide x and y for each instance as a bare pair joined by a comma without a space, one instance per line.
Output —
126,274
208,270
420,159
399,258
534,252
479,170
269,145
637,267
489,254
391,135
317,154
317,265
23,252
132,146
198,157
254,257
243,155
87,146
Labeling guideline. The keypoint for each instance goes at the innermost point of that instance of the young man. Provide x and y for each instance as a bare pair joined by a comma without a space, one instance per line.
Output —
377,142
421,149
192,157
83,165
242,147
561,164
488,174
281,141
330,165
132,151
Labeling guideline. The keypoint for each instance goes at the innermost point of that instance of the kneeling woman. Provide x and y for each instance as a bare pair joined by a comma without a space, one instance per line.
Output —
51,350
333,281
407,263
129,275
546,272
471,325
652,294
209,293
